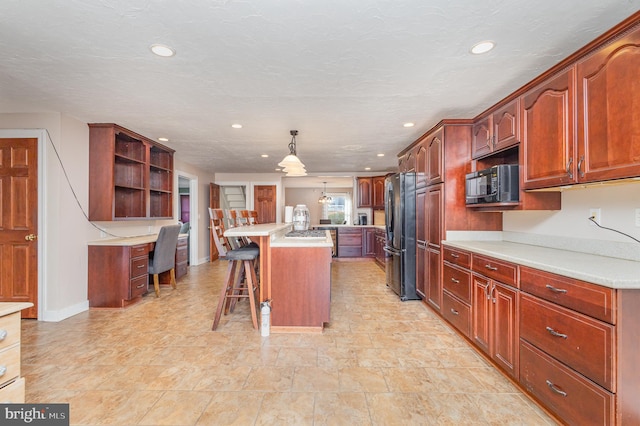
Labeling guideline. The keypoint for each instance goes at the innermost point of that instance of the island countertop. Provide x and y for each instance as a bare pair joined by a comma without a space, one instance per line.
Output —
258,230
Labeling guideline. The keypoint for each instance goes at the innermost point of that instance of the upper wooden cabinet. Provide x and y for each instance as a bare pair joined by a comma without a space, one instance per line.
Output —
429,161
378,192
130,176
548,133
365,193
608,94
605,88
496,131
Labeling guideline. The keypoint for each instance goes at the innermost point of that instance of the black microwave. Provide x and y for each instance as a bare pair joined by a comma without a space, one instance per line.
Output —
498,184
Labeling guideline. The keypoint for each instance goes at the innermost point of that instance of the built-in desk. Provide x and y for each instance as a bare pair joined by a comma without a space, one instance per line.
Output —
118,270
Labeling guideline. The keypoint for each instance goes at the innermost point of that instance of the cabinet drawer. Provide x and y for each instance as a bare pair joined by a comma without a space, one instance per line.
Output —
350,240
349,251
13,393
499,270
457,281
181,255
139,266
457,257
9,330
457,313
581,342
575,399
138,286
181,269
590,299
9,364
139,250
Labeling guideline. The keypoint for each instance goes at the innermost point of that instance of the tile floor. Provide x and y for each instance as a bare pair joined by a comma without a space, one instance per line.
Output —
379,362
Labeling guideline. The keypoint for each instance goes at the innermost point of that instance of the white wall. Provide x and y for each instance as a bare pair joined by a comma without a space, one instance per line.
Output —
617,202
64,230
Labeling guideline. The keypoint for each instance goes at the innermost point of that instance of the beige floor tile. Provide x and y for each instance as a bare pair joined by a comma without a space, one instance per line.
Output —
177,408
341,409
390,409
362,379
452,409
274,379
286,408
232,408
315,379
508,409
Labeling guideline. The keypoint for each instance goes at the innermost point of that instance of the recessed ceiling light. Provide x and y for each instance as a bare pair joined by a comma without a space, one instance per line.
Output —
162,50
264,155
236,126
482,47
163,139
381,155
367,168
408,124
278,170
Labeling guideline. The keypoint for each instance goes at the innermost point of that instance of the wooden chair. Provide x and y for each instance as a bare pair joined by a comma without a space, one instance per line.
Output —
244,219
163,257
217,232
253,217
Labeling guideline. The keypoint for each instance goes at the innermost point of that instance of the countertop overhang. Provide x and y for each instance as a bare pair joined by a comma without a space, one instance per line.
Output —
606,271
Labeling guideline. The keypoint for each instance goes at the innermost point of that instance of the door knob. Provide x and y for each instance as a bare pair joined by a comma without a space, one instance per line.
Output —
30,237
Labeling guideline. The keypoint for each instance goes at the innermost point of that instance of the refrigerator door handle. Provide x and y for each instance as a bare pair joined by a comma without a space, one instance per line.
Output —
391,250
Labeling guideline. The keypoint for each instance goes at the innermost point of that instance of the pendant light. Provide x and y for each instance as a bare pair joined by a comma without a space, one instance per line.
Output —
291,164
325,199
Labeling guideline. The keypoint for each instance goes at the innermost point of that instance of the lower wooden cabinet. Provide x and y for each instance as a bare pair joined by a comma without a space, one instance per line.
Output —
350,242
380,242
182,256
12,386
457,313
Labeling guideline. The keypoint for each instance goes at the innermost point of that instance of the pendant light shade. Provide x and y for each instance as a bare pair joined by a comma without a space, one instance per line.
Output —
325,199
291,164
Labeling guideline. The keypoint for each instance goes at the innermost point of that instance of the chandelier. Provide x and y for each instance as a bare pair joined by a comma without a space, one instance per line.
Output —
325,199
291,164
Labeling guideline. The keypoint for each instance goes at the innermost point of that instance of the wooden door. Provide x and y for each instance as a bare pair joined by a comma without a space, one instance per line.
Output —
608,110
264,202
548,133
214,203
19,223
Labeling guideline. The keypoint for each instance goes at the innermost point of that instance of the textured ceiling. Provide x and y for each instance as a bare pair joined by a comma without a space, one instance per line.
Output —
345,73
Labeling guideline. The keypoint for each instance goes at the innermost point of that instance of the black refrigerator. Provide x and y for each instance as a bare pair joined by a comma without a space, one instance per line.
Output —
400,223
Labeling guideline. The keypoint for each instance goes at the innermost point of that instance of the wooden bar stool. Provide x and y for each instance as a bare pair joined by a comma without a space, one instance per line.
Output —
241,282
253,217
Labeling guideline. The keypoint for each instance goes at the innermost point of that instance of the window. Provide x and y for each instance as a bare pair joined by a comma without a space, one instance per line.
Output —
339,209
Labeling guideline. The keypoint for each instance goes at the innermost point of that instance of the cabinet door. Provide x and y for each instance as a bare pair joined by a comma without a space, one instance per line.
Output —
608,90
369,242
422,165
481,138
434,217
504,323
506,126
410,162
434,274
364,192
421,270
421,216
481,312
436,157
378,192
547,133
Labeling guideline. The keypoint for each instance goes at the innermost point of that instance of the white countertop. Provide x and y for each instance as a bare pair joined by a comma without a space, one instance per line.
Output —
129,241
606,271
259,230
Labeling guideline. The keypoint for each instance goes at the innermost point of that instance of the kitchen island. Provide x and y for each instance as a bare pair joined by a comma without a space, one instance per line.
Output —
295,275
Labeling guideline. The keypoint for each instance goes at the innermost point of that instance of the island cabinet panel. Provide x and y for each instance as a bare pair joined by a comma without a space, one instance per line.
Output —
300,286
608,89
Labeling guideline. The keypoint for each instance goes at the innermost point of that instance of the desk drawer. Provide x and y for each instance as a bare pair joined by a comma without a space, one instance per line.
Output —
139,250
139,266
499,270
9,330
575,399
457,282
138,286
590,299
9,364
581,342
181,255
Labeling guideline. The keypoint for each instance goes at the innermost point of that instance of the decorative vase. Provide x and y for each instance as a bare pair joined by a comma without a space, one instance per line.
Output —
301,218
